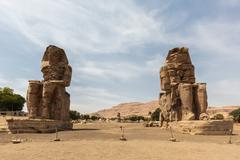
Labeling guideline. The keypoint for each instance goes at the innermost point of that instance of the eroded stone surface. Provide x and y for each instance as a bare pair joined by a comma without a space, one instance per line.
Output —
37,125
181,97
201,127
48,99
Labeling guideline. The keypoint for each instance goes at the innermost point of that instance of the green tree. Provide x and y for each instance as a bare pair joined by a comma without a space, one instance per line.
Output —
94,118
134,118
236,115
85,117
74,115
9,101
155,115
7,90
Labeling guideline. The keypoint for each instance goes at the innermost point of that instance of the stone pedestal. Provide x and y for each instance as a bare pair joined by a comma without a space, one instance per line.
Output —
37,125
199,127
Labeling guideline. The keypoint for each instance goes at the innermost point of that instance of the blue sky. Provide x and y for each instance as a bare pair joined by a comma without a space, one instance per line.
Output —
116,47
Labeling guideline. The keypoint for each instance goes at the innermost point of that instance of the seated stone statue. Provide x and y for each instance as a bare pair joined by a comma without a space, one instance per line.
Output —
48,99
182,98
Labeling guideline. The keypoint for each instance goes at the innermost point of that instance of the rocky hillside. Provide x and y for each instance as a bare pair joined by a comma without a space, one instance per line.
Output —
225,110
143,109
127,109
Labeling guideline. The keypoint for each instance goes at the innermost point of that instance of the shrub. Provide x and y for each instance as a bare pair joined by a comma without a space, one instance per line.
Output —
236,115
113,118
94,118
134,118
9,101
219,116
74,115
85,117
155,115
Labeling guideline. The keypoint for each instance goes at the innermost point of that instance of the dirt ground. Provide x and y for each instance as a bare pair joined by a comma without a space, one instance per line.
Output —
100,141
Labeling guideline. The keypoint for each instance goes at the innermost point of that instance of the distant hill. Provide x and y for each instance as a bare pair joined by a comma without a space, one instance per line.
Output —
137,108
225,110
126,109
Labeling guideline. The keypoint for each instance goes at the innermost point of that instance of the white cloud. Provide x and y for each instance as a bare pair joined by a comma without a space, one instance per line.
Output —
109,70
224,92
230,3
89,99
211,37
19,85
219,41
120,70
152,66
121,26
3,82
106,26
92,92
83,27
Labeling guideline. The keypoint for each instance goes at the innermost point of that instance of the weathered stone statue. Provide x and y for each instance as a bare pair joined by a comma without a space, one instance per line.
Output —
48,102
48,99
182,98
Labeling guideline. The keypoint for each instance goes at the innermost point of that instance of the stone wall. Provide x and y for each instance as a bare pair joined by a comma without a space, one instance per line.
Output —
200,127
37,125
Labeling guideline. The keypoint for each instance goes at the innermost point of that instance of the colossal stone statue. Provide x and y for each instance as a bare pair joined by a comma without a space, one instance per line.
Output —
182,98
48,99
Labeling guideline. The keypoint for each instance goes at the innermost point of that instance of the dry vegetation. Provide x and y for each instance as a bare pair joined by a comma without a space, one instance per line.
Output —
101,141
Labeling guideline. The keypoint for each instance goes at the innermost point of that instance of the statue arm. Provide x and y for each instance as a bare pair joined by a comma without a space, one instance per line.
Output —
67,76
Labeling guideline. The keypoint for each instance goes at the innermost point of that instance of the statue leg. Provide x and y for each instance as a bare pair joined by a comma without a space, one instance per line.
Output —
48,90
34,98
186,96
65,116
200,99
161,118
176,115
59,110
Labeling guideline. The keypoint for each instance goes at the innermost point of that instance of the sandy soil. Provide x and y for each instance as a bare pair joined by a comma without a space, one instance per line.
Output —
100,141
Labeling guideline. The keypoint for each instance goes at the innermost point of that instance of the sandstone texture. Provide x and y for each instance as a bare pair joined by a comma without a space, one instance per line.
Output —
181,97
128,109
48,103
37,125
48,99
200,127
